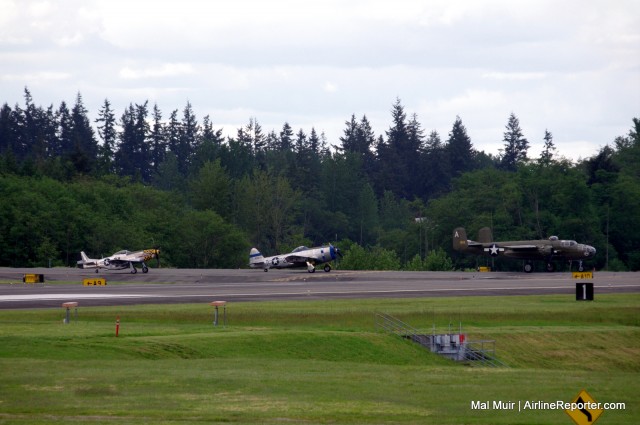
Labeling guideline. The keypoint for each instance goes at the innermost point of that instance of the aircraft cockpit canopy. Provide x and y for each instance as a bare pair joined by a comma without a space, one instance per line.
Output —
568,243
123,252
300,248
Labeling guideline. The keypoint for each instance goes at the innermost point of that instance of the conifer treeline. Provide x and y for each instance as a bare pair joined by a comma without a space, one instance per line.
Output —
148,147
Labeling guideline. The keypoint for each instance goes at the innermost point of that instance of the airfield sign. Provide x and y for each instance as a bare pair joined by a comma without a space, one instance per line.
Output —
100,281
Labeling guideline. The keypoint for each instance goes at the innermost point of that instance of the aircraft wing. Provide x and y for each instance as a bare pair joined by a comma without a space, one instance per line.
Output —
299,259
522,247
118,262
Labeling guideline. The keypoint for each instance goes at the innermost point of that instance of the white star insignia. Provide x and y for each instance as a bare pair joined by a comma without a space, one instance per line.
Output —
493,250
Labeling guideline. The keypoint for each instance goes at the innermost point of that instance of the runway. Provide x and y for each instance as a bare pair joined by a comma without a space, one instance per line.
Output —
161,286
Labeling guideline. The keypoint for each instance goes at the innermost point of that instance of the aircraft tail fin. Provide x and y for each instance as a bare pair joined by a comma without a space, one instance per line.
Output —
460,239
86,262
256,259
485,235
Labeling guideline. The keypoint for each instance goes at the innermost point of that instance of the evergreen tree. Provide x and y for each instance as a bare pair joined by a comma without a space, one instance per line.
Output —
142,134
107,131
413,162
393,173
158,148
435,172
272,141
460,150
305,174
7,129
286,138
350,138
257,142
283,162
132,157
188,139
546,156
359,138
172,135
50,128
238,157
210,147
515,145
366,140
32,132
65,132
85,146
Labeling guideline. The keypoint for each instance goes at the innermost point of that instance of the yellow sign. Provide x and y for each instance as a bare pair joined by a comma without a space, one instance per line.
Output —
33,278
484,269
98,281
583,275
584,410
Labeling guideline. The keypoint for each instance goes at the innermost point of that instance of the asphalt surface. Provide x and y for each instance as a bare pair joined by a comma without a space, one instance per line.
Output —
192,286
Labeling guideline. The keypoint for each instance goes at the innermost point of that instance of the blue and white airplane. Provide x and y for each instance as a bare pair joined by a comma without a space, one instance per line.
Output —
299,257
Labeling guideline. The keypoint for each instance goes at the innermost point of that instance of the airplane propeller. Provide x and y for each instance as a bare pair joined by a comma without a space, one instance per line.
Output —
158,255
337,250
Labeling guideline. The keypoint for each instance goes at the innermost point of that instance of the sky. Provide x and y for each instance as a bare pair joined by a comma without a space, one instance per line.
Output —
571,67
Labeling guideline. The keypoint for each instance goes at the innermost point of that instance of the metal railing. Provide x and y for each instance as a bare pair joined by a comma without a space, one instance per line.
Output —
479,352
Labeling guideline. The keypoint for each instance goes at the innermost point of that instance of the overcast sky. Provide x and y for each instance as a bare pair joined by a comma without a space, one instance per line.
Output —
572,67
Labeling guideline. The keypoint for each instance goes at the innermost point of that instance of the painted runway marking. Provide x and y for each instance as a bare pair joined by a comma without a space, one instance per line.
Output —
50,297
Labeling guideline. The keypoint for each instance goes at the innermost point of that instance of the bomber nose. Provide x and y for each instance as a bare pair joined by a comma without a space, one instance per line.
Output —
589,251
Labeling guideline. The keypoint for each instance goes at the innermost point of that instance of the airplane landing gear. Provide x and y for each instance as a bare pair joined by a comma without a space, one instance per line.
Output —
551,267
311,268
327,268
145,269
133,268
580,266
528,267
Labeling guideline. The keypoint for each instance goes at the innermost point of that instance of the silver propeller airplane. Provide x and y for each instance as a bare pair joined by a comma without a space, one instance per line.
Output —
299,257
542,249
121,260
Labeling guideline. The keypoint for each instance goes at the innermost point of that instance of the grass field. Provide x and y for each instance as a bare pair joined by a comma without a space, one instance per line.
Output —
317,362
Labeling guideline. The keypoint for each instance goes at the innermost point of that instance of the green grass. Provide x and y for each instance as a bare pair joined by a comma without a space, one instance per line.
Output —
316,362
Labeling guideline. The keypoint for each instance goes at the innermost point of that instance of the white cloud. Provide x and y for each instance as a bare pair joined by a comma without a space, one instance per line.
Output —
164,70
36,78
330,87
515,75
567,66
